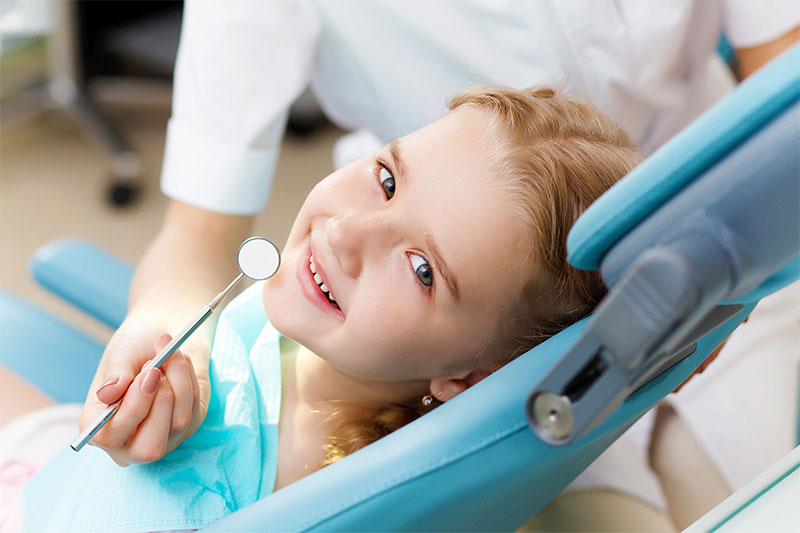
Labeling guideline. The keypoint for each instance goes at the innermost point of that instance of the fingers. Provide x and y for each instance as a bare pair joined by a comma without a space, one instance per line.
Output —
149,442
178,372
133,410
195,389
125,360
700,369
181,430
159,407
155,413
710,359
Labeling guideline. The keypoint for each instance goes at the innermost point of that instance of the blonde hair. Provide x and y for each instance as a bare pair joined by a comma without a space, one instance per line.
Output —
556,156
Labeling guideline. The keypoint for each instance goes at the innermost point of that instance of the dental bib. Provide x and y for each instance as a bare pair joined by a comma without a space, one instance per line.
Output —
228,463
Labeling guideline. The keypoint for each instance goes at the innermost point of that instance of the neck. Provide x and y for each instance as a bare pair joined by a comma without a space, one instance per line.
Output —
316,383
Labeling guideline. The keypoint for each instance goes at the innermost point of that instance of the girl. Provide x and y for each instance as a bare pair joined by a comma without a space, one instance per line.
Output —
408,276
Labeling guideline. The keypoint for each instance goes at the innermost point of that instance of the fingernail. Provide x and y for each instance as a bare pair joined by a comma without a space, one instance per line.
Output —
110,381
162,341
150,381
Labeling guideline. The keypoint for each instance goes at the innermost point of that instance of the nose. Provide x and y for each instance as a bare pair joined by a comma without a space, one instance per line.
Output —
354,237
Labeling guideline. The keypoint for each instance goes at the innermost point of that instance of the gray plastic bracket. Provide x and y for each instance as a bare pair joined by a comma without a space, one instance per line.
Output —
644,326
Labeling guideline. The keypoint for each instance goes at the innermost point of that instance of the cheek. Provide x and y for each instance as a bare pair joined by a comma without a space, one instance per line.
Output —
410,340
387,312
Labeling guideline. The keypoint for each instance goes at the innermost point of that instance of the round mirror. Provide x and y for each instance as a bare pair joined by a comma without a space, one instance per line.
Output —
258,258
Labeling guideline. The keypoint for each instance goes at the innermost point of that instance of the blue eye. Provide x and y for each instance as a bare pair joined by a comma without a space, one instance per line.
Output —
422,269
387,182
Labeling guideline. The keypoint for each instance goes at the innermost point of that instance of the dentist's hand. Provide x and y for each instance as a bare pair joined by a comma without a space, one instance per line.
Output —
160,408
710,359
186,265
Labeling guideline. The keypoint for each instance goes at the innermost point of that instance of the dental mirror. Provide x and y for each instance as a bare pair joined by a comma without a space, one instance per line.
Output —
258,259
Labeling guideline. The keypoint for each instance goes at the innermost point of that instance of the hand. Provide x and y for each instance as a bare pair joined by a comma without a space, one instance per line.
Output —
710,359
160,408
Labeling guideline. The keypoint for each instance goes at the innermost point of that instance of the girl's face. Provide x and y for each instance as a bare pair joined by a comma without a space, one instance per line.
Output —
416,245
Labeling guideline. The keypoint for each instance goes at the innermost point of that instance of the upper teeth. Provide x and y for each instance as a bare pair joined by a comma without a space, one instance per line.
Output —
318,280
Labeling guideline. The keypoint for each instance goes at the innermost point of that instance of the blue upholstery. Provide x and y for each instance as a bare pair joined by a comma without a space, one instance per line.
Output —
86,276
481,439
47,351
473,464
59,359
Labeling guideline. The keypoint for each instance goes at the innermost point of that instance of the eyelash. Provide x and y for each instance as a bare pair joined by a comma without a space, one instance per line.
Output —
378,167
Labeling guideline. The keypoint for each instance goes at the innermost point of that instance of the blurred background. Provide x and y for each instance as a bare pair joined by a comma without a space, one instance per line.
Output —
85,94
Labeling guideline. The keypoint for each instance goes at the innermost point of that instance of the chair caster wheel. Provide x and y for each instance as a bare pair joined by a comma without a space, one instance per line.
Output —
122,193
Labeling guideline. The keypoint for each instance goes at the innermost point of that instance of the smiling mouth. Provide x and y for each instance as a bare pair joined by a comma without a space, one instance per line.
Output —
318,280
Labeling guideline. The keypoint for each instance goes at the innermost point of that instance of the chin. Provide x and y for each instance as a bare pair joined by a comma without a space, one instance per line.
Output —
281,307
277,306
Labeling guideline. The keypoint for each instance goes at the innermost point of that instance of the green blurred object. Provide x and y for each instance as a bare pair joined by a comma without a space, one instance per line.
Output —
15,46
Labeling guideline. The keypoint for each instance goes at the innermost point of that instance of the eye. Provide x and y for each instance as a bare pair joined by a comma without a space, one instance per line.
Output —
387,182
422,269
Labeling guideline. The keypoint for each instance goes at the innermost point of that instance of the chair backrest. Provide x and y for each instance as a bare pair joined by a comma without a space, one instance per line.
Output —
473,464
684,268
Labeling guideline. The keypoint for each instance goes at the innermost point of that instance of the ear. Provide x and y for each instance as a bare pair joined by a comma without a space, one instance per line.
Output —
447,388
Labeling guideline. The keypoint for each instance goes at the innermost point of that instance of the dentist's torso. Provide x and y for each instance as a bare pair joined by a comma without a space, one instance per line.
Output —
391,66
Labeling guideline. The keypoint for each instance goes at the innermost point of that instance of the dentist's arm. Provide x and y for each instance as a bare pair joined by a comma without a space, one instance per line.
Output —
240,65
192,258
751,59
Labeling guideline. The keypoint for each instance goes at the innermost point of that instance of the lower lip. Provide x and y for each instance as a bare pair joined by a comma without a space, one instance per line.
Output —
311,290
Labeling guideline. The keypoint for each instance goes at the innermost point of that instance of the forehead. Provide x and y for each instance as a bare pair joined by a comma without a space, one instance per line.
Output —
466,204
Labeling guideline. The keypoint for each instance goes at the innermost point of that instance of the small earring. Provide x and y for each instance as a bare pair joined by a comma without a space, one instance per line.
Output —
427,400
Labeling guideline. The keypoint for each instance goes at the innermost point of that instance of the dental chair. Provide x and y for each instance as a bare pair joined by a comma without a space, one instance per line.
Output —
688,243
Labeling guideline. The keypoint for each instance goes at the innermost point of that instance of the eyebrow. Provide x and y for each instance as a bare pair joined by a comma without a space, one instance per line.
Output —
397,158
450,280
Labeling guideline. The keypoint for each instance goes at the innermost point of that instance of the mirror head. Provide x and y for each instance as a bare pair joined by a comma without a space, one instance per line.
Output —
258,258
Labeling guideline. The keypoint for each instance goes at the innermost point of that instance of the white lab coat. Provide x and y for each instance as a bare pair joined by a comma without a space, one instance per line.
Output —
390,67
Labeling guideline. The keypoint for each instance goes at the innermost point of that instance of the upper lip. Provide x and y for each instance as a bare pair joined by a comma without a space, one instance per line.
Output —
318,264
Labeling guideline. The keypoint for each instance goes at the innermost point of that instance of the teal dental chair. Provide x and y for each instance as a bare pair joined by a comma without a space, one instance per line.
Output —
474,464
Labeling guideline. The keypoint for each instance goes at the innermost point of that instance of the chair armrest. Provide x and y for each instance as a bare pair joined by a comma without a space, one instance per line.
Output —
48,352
86,276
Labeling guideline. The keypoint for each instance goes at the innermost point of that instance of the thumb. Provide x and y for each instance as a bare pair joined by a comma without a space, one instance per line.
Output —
123,368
